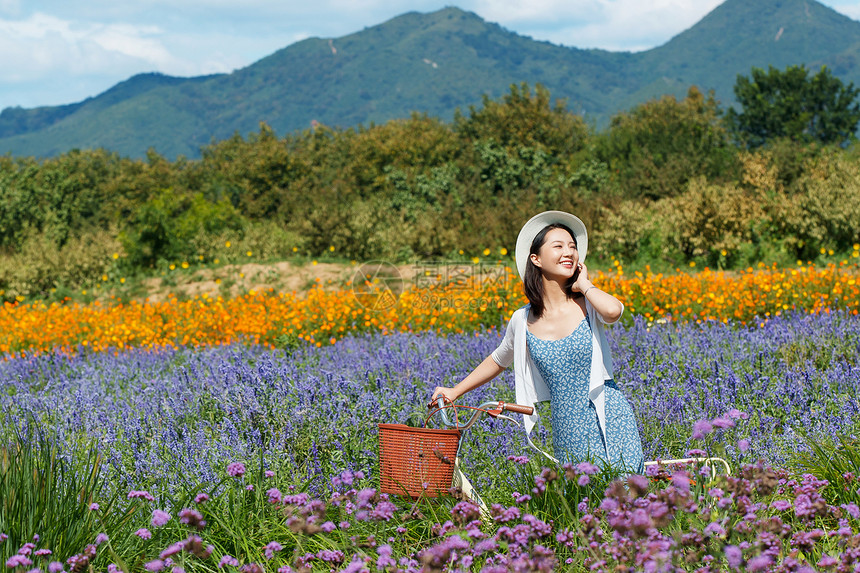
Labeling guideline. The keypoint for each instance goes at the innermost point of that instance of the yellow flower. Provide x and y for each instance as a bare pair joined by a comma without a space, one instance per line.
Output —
692,263
216,261
331,248
104,277
200,257
172,266
486,252
461,251
227,244
857,246
476,260
295,249
217,281
84,292
314,262
823,250
830,252
116,255
241,275
248,253
184,264
503,251
724,252
122,280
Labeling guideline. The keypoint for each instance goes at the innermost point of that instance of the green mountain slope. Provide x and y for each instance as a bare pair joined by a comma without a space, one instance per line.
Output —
432,63
740,34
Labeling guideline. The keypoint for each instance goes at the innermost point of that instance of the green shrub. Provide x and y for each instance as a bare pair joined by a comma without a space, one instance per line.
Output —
172,227
40,266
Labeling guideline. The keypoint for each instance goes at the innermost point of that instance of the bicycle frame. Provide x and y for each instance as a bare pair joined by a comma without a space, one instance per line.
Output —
492,408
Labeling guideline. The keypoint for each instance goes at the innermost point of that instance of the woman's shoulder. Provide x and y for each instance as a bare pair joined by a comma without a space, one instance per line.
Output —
520,314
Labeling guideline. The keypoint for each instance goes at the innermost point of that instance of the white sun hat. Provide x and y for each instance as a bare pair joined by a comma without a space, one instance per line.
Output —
537,223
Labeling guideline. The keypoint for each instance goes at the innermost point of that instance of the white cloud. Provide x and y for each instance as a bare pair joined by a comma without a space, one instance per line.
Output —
609,24
10,7
43,43
850,10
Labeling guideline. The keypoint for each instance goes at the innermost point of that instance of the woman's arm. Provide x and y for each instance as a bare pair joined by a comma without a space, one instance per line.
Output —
607,306
483,373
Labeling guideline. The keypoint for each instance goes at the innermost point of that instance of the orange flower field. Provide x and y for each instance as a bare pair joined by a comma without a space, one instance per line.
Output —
324,316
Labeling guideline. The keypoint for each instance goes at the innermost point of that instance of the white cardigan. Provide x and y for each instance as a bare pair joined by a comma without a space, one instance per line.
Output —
530,385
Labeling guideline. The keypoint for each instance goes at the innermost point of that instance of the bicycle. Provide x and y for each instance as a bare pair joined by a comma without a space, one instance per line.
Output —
418,461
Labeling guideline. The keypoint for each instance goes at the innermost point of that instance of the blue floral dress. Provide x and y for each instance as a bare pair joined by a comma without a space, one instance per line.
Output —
565,365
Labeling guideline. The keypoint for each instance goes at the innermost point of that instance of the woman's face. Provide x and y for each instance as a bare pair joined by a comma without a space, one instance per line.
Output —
557,255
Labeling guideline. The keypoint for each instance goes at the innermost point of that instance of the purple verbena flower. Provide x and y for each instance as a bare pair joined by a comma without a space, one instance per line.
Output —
26,549
160,518
736,414
781,504
228,560
760,563
384,560
236,469
192,518
701,429
18,561
142,494
851,509
587,468
734,556
271,548
275,495
328,527
172,549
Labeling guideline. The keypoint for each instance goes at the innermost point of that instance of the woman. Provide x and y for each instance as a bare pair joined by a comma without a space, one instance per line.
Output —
559,349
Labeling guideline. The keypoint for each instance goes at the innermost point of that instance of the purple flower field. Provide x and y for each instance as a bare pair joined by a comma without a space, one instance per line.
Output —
245,459
175,418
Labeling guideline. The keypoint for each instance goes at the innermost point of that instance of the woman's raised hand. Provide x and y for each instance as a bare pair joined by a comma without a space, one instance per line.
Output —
448,395
582,281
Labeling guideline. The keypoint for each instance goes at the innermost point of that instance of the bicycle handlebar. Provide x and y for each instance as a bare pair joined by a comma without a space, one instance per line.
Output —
493,408
527,410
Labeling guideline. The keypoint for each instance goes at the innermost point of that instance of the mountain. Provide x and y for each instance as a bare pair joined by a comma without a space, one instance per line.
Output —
432,63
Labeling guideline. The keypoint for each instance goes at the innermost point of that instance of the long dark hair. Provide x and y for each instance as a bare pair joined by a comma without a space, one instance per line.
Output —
533,280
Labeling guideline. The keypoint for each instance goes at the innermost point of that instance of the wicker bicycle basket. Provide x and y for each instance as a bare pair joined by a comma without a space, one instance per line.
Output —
416,461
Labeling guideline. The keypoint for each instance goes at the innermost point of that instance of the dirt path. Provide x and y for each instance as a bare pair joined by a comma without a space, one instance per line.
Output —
234,280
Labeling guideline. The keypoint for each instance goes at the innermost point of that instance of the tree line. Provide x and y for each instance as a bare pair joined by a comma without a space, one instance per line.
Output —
668,183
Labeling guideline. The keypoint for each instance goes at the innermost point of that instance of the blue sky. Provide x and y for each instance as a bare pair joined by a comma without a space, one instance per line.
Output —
56,51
